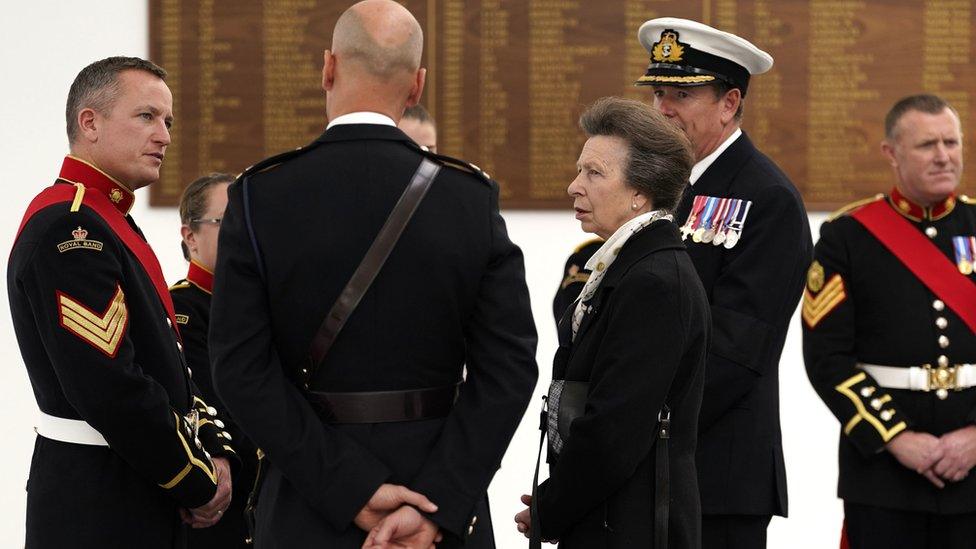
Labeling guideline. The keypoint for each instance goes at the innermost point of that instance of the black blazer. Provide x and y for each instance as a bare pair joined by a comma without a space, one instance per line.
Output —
753,290
642,345
452,293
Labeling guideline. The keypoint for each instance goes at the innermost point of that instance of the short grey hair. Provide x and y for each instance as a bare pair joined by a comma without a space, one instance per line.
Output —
97,87
926,103
659,155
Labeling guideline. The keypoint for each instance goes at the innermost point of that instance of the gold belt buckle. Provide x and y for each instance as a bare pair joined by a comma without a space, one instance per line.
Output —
941,379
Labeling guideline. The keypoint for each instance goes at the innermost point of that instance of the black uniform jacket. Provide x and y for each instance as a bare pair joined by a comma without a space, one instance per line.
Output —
641,346
90,311
753,289
575,276
191,298
452,294
862,304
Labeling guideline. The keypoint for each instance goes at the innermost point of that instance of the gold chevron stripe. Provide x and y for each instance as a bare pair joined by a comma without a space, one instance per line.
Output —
852,423
815,308
105,331
862,412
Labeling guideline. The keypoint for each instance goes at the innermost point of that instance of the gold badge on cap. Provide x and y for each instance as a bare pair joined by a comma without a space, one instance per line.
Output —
668,49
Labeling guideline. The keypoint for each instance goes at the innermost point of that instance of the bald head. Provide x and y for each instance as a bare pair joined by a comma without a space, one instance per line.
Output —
379,36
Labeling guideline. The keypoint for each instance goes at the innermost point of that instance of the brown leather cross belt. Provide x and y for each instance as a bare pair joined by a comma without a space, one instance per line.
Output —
386,406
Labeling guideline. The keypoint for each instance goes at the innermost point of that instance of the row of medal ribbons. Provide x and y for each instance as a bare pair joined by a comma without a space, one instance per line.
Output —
965,247
718,221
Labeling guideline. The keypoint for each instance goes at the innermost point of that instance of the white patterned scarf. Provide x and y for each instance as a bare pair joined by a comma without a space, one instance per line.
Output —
605,256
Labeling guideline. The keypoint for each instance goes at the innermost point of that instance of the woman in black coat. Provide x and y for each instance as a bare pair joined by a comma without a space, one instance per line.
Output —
201,210
631,348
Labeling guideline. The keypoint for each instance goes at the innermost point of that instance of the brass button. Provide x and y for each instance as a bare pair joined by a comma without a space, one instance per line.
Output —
876,403
211,410
943,341
938,305
219,424
600,266
941,322
867,391
943,361
931,232
887,414
227,435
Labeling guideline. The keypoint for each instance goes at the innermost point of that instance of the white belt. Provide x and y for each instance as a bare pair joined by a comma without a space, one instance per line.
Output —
940,379
74,431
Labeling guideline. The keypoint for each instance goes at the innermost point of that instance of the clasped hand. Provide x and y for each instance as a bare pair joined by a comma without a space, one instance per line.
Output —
939,459
207,515
392,519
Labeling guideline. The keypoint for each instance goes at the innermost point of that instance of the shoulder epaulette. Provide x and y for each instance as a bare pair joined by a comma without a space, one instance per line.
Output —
967,200
853,206
273,161
589,242
452,162
180,285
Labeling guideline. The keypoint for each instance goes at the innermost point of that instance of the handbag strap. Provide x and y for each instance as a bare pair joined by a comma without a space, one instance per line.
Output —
662,482
370,266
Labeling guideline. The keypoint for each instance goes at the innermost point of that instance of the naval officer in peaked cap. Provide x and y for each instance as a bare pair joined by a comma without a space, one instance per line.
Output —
747,233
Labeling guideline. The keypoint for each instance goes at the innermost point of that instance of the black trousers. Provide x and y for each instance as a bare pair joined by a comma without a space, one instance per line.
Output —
871,527
734,531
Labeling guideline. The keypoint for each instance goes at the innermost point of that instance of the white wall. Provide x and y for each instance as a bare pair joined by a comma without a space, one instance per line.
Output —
43,45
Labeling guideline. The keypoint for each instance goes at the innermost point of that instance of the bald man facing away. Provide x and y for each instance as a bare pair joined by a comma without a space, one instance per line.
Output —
382,438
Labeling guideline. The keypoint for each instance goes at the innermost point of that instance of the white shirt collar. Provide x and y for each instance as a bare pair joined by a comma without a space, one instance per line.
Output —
362,117
698,169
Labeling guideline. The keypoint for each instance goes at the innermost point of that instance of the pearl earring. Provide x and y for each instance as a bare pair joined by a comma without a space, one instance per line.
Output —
633,206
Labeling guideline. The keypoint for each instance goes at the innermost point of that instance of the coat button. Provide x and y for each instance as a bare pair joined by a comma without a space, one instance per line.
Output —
943,341
943,361
219,424
938,305
941,322
931,232
876,403
867,391
226,435
211,410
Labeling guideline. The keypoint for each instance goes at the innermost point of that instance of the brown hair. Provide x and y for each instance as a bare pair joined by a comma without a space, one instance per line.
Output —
97,87
927,103
418,113
659,157
193,202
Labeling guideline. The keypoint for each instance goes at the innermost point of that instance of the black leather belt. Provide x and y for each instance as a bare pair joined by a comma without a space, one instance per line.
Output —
386,406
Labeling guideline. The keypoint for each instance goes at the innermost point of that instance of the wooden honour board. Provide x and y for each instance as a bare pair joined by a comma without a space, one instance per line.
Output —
507,80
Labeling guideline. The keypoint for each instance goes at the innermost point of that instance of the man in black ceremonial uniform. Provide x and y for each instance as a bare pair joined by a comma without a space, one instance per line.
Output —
126,450
889,339
747,233
345,461
201,211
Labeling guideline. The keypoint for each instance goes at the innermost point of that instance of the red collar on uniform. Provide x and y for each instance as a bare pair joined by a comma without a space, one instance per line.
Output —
200,277
75,170
913,211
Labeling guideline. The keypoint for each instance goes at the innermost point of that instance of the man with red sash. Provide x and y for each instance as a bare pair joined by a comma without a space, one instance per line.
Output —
889,339
126,452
